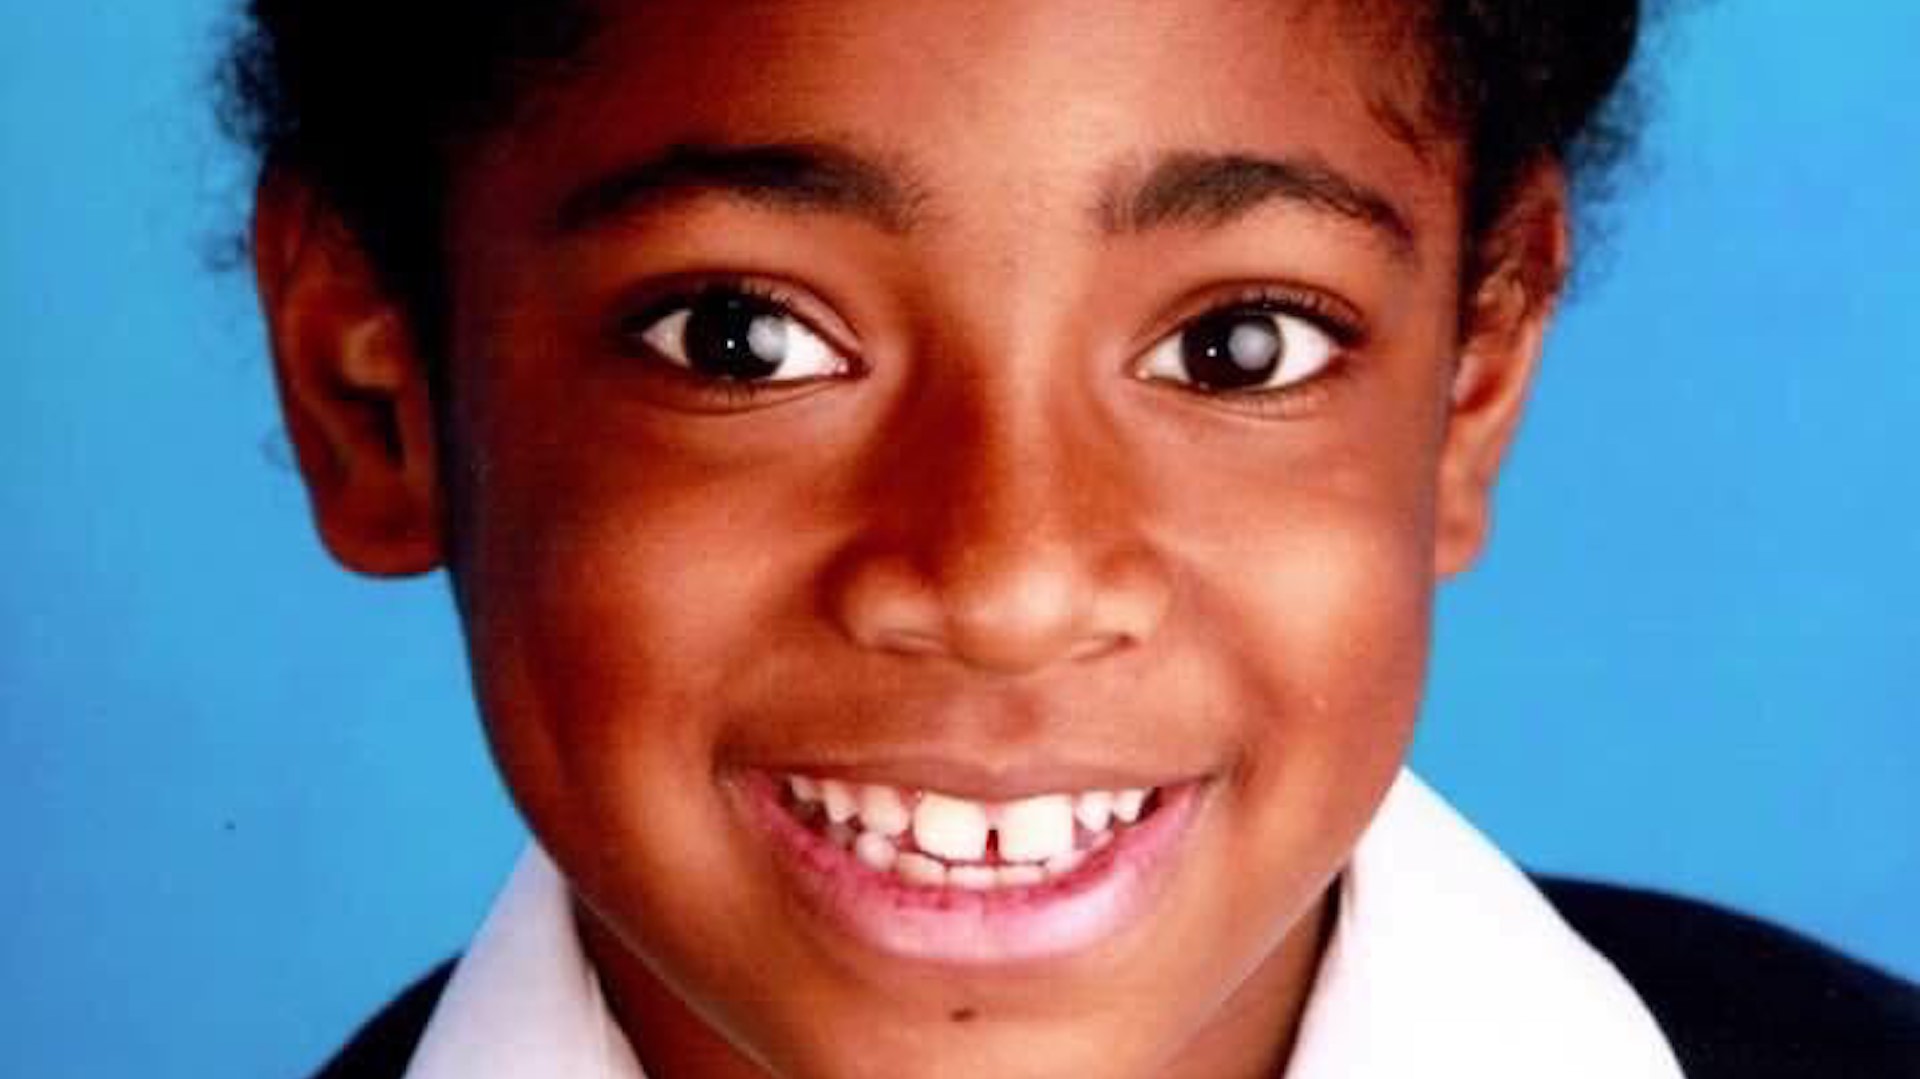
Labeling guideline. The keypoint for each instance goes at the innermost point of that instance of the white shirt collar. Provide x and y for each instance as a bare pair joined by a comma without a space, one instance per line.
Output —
1445,960
524,1003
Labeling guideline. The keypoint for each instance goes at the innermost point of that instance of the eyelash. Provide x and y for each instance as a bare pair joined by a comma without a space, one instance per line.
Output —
727,392
1327,315
1331,317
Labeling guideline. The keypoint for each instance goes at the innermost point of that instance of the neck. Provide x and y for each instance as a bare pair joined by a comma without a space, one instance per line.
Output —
1253,1034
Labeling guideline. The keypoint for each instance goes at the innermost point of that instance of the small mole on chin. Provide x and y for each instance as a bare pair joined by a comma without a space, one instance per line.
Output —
963,1015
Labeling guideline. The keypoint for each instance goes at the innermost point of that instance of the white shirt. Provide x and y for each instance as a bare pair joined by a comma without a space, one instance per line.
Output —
1445,960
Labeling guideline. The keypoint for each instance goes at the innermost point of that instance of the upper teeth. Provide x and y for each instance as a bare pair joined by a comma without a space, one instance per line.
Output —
1034,837
1035,829
1094,809
950,828
882,810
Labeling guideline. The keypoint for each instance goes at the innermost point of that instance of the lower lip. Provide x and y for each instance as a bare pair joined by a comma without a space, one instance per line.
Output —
1108,892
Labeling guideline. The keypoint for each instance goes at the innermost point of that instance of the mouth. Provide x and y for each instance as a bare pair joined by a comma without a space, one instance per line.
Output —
931,875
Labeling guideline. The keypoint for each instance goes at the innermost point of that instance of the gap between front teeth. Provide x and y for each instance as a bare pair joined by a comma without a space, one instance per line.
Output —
934,840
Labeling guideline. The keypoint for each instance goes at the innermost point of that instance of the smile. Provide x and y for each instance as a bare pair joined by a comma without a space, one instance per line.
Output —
932,875
932,840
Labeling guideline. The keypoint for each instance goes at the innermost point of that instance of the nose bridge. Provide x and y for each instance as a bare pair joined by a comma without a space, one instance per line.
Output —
999,532
997,420
998,465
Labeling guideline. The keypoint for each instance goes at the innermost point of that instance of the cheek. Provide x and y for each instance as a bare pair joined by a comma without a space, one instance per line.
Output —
612,593
605,599
1336,615
1335,638
604,589
1317,596
1326,620
1309,566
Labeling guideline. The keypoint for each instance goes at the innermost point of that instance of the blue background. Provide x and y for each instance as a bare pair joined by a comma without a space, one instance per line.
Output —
244,795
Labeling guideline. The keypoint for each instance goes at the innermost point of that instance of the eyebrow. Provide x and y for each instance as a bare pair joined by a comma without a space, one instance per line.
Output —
1194,190
808,176
1180,189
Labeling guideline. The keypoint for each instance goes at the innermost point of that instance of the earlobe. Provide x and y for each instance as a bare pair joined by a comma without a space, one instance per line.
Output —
354,391
1503,329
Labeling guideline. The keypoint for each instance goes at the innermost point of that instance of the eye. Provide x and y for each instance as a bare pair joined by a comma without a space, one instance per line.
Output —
1243,348
728,332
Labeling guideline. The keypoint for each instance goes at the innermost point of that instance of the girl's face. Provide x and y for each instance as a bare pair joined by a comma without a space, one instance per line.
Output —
1009,401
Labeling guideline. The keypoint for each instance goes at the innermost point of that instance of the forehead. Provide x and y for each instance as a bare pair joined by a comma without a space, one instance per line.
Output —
1046,99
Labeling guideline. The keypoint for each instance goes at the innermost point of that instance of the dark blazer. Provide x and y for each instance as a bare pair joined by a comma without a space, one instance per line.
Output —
1737,998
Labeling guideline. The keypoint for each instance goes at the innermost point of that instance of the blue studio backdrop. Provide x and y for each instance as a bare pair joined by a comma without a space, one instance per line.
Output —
245,793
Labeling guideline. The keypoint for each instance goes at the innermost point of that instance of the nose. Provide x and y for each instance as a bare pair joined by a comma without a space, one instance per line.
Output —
998,539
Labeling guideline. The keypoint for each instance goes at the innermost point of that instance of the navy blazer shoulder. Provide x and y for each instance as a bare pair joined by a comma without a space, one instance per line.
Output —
1738,998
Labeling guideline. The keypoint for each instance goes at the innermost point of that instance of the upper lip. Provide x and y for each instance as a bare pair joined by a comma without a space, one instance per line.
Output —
986,782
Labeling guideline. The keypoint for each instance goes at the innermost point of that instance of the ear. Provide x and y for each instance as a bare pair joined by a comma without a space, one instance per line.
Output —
353,389
1516,280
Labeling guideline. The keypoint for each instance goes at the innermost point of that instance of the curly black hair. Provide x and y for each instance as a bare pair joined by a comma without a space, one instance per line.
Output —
372,121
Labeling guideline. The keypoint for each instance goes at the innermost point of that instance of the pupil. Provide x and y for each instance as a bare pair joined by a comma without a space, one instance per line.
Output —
735,336
1232,350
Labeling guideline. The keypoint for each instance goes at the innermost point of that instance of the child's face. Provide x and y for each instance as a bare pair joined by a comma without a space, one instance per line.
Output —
990,540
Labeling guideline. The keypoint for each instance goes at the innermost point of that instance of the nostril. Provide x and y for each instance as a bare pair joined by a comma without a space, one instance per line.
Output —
882,602
1010,606
907,642
1095,647
1009,615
